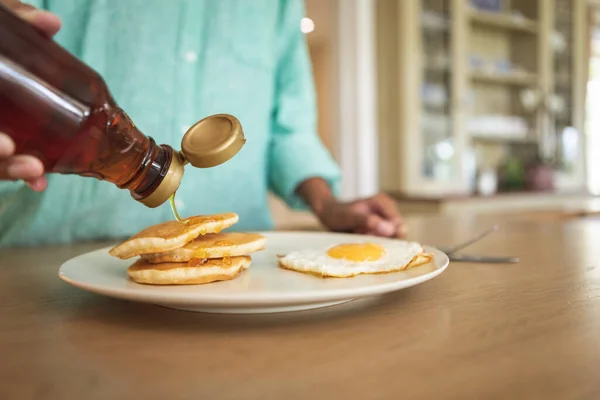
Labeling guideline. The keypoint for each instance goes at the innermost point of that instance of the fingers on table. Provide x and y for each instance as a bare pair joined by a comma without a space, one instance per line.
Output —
389,221
373,224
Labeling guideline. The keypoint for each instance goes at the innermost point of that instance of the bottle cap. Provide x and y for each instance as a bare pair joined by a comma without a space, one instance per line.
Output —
168,185
208,143
212,141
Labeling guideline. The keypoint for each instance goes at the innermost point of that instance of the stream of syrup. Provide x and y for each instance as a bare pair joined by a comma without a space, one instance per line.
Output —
174,209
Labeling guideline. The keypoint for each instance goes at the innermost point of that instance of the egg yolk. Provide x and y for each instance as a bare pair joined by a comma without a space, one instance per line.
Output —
358,252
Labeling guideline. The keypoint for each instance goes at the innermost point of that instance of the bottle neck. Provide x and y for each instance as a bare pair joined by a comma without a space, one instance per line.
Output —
152,172
139,164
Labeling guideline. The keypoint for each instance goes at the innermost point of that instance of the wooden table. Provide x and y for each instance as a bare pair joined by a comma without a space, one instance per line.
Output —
530,330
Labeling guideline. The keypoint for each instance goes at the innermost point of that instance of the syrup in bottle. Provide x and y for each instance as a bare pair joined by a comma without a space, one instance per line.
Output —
59,110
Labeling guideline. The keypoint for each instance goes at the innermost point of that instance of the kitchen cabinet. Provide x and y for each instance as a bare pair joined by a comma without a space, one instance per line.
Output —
465,85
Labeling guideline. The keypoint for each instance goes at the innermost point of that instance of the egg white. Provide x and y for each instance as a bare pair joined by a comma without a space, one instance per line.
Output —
396,257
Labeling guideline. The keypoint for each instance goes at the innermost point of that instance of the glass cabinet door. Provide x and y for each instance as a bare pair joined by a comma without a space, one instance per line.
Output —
566,134
592,117
560,103
439,158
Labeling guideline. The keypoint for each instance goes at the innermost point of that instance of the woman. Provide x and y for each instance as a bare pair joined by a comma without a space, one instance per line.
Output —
169,64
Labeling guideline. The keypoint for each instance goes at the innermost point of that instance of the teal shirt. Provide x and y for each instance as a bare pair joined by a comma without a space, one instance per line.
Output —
169,64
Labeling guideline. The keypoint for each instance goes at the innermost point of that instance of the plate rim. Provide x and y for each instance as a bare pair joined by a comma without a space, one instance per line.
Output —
266,299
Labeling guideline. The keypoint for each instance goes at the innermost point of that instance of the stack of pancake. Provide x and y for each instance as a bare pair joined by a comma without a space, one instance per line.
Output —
189,252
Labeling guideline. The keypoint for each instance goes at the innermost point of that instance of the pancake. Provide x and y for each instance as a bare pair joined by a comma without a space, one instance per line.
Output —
195,272
172,234
217,245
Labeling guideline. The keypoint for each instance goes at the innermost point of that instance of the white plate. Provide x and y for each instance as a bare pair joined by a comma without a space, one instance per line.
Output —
263,288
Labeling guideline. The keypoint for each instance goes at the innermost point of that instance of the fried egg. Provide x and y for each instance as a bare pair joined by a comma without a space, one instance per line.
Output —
351,259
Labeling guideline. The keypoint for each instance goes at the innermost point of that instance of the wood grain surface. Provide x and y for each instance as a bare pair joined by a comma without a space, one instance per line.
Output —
530,330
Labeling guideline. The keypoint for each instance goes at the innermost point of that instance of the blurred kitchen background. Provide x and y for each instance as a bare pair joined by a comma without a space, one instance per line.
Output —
460,105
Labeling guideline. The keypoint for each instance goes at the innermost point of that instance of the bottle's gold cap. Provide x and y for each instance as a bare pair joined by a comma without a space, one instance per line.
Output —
208,143
168,185
212,141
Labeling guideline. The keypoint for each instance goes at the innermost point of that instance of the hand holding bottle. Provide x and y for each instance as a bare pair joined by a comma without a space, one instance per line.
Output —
25,167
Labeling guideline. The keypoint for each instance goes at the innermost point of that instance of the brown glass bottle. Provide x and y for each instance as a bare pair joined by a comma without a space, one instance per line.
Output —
58,109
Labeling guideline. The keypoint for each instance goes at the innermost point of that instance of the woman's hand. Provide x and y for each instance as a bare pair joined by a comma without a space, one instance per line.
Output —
14,167
377,215
44,21
27,168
